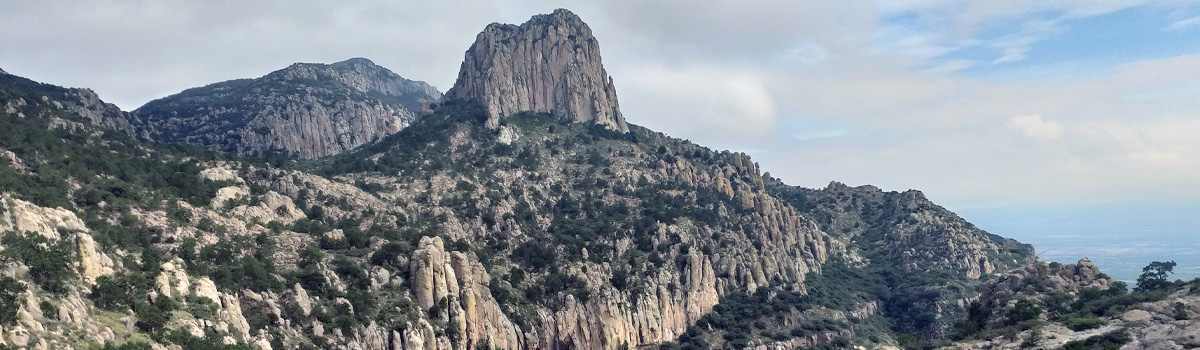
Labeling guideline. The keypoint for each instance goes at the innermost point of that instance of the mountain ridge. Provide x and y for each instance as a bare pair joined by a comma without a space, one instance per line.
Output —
473,229
309,110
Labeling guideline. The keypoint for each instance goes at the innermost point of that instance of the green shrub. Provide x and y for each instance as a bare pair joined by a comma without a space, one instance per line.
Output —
11,298
48,308
50,263
119,292
1024,310
133,345
1035,335
534,255
1108,341
1181,311
387,254
1084,323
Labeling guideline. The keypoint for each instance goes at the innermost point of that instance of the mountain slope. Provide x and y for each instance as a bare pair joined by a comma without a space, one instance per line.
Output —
307,110
23,97
464,230
654,229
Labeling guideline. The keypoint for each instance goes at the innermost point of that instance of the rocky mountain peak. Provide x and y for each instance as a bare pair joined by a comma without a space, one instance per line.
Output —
309,110
359,74
551,63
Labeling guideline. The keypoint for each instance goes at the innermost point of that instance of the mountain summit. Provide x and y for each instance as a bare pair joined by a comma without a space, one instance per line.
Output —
309,110
549,64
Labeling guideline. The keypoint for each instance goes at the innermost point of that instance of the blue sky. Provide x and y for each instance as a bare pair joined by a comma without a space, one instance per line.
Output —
1074,49
1000,109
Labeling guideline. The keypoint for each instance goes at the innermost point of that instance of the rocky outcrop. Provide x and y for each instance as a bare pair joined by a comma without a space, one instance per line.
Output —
460,285
22,216
92,262
56,223
1032,281
1070,278
1166,324
308,110
800,342
549,64
63,107
106,115
906,229
271,206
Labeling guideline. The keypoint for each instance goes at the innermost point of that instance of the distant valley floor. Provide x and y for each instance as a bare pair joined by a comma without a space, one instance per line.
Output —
1120,238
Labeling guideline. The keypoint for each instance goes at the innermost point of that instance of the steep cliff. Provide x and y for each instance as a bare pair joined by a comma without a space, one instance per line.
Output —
549,64
308,110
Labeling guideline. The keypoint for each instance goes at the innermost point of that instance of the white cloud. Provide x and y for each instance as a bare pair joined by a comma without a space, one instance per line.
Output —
951,66
1184,24
1012,54
806,54
703,100
1015,47
1033,126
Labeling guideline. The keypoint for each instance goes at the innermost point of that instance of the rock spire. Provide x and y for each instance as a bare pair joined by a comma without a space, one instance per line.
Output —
549,64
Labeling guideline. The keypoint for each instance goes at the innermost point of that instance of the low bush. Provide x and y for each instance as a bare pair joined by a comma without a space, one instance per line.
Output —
1083,323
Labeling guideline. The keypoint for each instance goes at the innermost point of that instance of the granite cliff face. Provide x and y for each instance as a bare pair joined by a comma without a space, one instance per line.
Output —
549,64
307,110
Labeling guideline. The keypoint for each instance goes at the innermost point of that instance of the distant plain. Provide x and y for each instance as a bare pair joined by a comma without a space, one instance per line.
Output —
1121,239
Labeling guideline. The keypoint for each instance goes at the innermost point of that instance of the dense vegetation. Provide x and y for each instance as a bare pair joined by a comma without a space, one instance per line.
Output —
919,302
779,313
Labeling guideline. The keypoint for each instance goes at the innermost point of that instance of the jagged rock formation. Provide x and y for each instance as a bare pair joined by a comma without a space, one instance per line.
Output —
308,110
62,107
1169,323
1070,279
549,64
906,229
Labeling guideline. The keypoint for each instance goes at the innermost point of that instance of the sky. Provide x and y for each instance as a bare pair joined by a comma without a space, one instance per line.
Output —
991,108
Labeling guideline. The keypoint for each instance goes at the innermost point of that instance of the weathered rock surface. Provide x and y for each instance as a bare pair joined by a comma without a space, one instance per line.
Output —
22,216
56,223
92,262
1151,325
549,64
65,107
999,294
907,229
308,110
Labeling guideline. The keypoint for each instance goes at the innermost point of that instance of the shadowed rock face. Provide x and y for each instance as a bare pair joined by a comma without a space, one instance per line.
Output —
549,64
308,110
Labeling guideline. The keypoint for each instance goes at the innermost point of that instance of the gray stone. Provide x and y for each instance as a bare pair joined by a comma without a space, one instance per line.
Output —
549,64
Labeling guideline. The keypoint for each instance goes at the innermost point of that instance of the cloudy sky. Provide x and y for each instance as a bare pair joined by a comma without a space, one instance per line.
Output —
981,104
